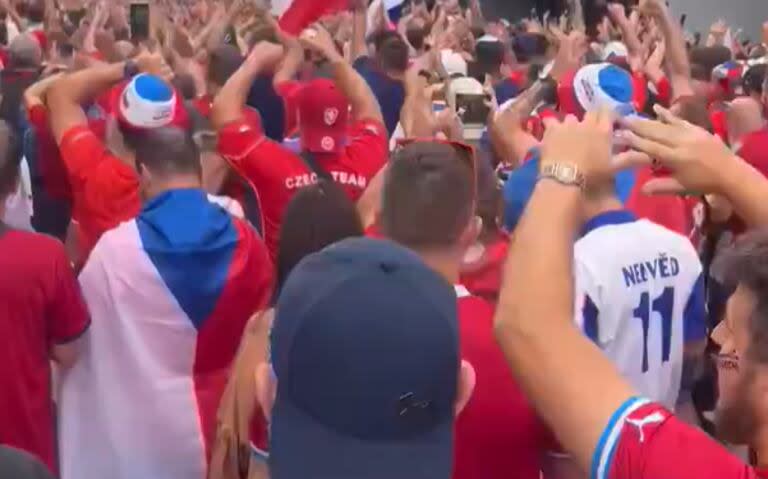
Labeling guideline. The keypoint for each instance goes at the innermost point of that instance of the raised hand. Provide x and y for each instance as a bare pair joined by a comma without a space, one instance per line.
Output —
694,156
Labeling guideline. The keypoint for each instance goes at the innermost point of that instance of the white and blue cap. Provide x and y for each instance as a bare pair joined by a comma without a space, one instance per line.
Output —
148,102
599,86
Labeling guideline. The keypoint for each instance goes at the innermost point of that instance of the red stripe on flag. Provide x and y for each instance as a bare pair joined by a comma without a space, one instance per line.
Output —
303,13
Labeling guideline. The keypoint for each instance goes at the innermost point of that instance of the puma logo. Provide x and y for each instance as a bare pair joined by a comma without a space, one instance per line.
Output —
654,418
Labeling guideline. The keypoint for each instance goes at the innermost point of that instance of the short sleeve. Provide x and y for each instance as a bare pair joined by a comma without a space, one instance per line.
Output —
368,148
645,441
66,313
587,310
239,138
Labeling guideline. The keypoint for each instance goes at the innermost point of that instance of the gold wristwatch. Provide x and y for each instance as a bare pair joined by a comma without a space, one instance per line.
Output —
564,173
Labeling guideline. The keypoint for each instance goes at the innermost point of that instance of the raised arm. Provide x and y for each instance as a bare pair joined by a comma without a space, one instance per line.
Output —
66,96
628,32
294,57
352,85
678,65
550,357
228,105
359,27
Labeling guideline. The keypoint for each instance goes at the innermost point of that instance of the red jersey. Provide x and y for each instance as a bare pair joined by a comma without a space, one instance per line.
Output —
719,121
40,307
289,90
498,434
105,189
670,212
645,441
277,173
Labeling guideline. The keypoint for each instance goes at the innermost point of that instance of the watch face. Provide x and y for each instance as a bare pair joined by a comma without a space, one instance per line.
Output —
567,173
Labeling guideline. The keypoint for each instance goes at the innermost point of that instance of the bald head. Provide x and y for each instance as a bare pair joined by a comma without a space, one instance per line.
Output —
744,116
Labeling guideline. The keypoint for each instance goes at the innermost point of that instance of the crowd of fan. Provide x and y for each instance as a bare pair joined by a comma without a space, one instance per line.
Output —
380,242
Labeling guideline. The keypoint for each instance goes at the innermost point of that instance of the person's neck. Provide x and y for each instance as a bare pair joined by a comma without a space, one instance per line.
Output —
601,205
443,263
760,446
177,183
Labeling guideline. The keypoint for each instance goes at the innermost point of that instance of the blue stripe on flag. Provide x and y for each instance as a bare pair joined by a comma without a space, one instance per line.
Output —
191,242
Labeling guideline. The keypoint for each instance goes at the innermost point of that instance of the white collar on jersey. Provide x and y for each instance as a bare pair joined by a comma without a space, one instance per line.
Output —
461,291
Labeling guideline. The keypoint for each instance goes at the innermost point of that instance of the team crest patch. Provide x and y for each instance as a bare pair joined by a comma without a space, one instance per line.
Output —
327,143
330,116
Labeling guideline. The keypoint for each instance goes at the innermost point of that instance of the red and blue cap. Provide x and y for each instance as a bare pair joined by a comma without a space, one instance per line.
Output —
365,348
597,86
728,75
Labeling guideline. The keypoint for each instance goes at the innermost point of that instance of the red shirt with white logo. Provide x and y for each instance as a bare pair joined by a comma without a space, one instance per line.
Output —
277,173
645,441
498,434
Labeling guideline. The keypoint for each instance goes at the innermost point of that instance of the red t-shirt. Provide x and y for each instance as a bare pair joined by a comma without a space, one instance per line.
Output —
105,190
670,212
498,434
753,150
644,441
277,173
40,306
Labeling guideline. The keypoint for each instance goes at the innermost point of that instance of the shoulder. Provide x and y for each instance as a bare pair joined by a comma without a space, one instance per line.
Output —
368,128
40,245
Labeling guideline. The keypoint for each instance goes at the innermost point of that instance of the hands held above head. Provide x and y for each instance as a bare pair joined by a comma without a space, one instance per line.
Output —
265,56
153,63
695,157
318,39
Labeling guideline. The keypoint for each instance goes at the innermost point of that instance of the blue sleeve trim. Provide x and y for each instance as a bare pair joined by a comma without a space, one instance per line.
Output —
590,314
606,446
695,314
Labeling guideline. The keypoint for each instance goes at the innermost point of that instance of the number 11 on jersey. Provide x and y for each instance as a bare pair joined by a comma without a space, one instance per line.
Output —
664,305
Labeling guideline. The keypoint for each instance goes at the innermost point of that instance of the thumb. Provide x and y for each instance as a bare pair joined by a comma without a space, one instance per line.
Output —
664,186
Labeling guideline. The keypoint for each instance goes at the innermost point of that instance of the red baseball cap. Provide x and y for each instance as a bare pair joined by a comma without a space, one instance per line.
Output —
146,102
323,116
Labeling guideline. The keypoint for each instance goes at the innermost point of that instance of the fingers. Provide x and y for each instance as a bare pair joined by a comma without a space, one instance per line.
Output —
650,147
663,186
668,117
630,159
655,131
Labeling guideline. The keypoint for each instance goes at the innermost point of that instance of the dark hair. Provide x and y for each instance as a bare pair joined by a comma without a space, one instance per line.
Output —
490,56
122,35
746,264
710,57
416,37
317,216
10,159
166,151
489,200
393,54
379,37
36,11
223,62
530,46
754,79
427,199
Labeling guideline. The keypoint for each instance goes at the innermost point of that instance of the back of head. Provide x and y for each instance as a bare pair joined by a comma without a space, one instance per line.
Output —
416,35
428,196
710,57
754,79
168,152
694,110
25,52
393,54
223,62
10,158
489,52
317,216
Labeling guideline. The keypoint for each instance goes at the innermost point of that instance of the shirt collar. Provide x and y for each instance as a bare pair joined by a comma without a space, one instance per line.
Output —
615,217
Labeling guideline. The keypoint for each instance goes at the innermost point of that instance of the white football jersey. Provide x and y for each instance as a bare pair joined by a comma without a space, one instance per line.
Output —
640,298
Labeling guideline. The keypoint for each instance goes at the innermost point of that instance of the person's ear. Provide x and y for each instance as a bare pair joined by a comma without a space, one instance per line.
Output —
466,384
472,231
266,388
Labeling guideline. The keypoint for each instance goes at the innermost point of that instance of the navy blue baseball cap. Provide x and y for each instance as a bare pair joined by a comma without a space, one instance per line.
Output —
365,348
